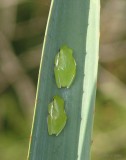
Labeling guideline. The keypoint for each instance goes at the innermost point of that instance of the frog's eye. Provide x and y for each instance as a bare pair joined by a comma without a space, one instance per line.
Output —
57,116
65,67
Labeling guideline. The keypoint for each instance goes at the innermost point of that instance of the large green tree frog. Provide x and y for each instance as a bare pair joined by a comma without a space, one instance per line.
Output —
65,67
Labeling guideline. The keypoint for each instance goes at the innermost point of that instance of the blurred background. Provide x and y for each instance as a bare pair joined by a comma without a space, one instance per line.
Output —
22,27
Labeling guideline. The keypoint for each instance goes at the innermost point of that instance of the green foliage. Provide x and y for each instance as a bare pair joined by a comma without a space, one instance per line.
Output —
75,23
25,11
14,128
10,109
108,113
13,147
109,129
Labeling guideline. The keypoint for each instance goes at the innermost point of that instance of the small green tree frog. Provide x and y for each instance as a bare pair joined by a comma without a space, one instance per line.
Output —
65,67
57,116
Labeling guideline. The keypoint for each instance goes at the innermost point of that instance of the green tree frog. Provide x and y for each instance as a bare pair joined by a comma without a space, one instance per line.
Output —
57,116
65,67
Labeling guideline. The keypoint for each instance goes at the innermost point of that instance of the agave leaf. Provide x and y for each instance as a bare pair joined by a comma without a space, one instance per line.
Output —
76,24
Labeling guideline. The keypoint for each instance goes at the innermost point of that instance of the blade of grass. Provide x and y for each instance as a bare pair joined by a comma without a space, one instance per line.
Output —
75,23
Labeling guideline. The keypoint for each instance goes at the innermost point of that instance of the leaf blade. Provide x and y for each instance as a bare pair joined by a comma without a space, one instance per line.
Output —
68,23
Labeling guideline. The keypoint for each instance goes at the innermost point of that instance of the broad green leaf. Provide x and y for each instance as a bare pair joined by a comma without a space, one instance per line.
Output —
76,24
